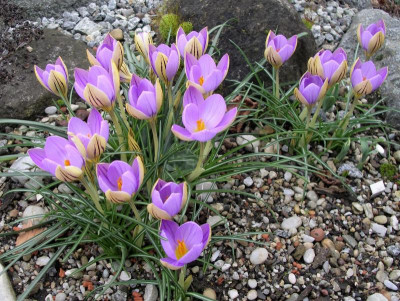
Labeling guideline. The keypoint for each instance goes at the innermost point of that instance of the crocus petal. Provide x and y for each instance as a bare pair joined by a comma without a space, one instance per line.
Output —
206,228
300,97
136,113
192,95
117,197
212,110
158,213
190,233
129,183
92,59
173,204
227,120
286,52
273,57
81,79
104,182
223,65
37,155
96,97
160,66
212,81
204,135
181,133
76,125
190,116
206,64
193,253
40,77
55,149
363,88
168,229
68,174
375,43
171,264
58,83
96,146
190,61
194,47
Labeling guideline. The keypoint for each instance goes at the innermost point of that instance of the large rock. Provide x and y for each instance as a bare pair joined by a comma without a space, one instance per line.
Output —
249,28
388,55
22,97
41,8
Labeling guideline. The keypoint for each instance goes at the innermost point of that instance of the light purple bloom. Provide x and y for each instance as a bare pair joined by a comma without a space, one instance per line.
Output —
184,243
278,49
168,198
203,74
145,99
54,78
109,50
192,95
98,86
119,181
165,61
365,78
89,138
60,158
195,42
326,64
311,89
204,119
371,38
142,42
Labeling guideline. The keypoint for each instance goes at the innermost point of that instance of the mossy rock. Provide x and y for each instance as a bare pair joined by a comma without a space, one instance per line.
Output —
169,25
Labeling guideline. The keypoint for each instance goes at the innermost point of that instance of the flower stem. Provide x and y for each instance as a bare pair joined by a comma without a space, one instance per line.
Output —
199,167
118,130
347,117
277,83
93,194
303,141
152,123
170,110
138,228
122,110
314,119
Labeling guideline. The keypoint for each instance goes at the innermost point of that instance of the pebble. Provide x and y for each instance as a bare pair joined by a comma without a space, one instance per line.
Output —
287,176
318,234
377,297
379,229
381,219
6,289
396,155
394,275
33,210
76,276
394,222
253,146
291,223
252,295
312,196
61,297
394,250
150,293
22,164
258,256
248,181
42,261
350,240
50,110
213,220
210,293
292,278
377,188
390,285
309,256
233,294
125,276
352,170
252,283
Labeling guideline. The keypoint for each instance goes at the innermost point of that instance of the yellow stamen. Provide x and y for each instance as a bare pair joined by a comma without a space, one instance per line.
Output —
201,80
119,181
67,163
200,125
89,135
181,249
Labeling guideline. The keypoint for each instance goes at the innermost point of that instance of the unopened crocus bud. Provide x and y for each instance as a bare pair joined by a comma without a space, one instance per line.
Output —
54,77
365,78
328,65
312,88
195,42
89,138
98,86
119,180
278,49
167,199
60,158
145,99
125,75
165,61
371,38
109,50
142,42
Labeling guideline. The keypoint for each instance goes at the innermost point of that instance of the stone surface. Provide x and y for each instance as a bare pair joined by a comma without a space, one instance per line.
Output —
33,210
23,97
150,293
87,26
210,293
6,290
388,55
291,223
22,164
249,29
258,256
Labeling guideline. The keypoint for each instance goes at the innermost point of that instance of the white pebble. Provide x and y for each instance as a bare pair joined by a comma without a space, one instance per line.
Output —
309,256
252,283
292,278
291,222
233,294
50,110
258,256
252,295
42,261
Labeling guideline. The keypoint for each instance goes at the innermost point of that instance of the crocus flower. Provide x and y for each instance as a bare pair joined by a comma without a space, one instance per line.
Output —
326,64
192,95
60,158
183,244
204,119
168,198
89,138
54,78
203,74
195,42
278,49
142,42
125,75
145,99
98,86
311,89
371,38
365,78
165,61
109,50
119,181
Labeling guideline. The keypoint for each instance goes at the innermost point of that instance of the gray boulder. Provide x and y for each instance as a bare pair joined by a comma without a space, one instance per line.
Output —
388,55
249,28
22,97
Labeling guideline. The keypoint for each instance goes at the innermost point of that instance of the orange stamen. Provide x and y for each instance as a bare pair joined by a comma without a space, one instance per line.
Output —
201,80
67,163
364,78
119,182
200,125
181,249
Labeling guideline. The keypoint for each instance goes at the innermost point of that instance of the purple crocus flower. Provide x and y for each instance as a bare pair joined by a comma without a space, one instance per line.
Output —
109,50
203,74
54,77
89,138
326,64
195,42
365,78
371,38
98,86
145,99
278,49
165,61
142,42
311,89
192,95
119,181
204,119
168,198
60,158
183,244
